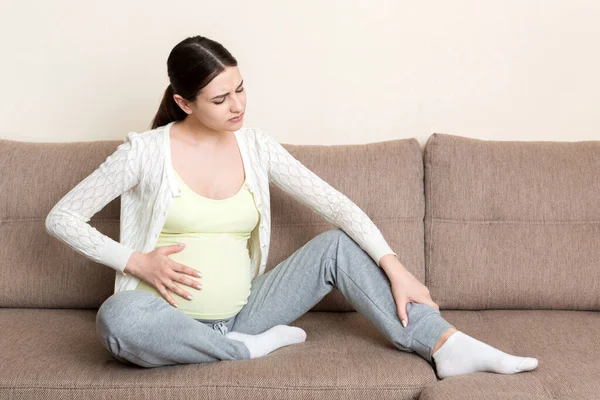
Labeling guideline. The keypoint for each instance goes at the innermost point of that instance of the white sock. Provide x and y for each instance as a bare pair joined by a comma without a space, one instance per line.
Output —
461,354
263,343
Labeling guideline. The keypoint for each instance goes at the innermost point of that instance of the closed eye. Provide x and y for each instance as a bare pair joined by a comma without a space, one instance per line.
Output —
237,91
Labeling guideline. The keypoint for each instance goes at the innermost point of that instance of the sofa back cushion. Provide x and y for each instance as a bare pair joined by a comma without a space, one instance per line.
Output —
37,270
385,179
512,224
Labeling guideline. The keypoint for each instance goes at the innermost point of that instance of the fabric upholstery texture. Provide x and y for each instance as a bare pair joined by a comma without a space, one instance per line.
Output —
504,234
512,224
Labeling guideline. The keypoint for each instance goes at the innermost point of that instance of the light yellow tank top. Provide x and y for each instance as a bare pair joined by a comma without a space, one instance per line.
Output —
216,234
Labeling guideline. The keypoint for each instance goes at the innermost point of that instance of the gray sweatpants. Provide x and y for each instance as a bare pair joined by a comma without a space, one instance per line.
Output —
138,327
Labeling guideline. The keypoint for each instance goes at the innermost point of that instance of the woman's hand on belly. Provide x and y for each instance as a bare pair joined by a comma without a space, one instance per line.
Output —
160,271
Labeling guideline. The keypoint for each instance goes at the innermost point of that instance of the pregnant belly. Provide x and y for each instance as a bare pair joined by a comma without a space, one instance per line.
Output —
224,262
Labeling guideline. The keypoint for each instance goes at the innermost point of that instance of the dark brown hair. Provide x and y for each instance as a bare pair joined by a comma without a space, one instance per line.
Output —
192,64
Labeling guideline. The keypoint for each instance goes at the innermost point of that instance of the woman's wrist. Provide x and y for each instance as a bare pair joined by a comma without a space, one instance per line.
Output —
134,262
391,264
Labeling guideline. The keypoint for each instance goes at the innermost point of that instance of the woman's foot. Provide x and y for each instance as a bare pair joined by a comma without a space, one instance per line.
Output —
263,343
461,354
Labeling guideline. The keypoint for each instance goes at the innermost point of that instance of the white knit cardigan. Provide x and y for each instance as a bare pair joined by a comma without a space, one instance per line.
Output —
140,171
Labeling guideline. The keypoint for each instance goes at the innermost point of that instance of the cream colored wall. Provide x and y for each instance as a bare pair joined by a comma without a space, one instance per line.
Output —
316,72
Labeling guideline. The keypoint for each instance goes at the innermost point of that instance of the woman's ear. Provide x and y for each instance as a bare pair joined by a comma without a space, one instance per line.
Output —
182,103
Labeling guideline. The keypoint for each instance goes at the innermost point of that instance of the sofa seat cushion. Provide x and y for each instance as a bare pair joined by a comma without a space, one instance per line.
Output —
566,344
54,353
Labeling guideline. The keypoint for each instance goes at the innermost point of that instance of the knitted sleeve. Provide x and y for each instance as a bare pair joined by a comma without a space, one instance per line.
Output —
68,219
291,176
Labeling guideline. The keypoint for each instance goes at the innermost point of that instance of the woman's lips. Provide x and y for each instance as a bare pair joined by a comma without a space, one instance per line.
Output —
238,118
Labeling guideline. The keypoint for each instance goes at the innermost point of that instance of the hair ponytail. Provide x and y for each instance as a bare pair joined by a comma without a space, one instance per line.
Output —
168,110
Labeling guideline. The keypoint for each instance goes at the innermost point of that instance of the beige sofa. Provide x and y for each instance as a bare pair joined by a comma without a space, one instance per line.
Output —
506,235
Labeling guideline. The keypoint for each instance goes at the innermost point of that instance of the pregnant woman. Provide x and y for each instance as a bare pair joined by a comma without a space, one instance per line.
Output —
190,282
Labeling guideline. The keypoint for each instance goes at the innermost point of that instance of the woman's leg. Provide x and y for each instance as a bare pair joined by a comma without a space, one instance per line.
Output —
138,327
334,259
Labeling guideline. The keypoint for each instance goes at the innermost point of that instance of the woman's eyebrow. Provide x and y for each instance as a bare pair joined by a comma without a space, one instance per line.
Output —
223,95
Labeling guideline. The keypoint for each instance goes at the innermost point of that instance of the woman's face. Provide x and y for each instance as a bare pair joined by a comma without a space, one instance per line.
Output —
219,101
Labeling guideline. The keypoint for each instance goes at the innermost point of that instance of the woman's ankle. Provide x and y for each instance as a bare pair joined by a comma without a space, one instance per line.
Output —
443,338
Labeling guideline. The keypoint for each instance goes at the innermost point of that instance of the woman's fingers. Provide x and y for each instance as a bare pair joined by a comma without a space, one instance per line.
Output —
165,294
402,311
177,289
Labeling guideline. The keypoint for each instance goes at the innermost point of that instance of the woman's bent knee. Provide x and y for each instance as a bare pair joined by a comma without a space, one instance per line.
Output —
119,310
123,356
115,322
